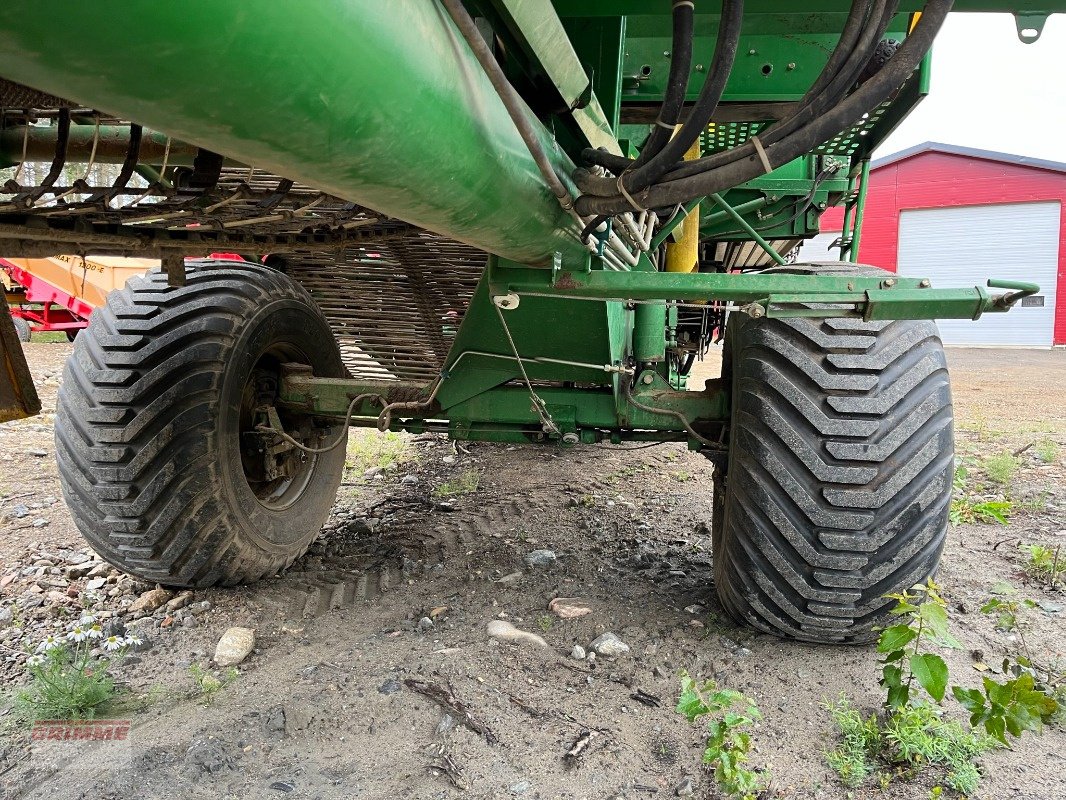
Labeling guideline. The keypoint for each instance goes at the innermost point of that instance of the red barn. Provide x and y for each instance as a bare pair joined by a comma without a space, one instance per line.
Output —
960,216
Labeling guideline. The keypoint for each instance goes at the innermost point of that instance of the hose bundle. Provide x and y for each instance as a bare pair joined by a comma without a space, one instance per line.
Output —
844,92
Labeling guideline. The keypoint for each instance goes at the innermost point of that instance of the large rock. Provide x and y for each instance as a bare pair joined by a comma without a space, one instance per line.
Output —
234,646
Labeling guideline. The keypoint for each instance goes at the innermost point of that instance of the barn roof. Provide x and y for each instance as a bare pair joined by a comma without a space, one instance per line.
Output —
968,152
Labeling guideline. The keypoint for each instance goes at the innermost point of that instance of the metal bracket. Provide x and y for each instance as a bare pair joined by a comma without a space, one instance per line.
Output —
1030,26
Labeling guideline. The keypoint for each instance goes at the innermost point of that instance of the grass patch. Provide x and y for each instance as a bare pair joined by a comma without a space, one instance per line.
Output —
913,739
1047,450
968,507
1001,468
49,337
466,483
368,449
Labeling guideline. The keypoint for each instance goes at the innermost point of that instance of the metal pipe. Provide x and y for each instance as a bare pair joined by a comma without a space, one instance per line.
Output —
380,104
860,208
111,146
743,223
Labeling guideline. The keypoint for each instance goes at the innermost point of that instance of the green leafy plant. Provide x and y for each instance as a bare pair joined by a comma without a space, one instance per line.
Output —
545,622
69,672
1044,563
911,732
466,483
209,684
924,615
728,734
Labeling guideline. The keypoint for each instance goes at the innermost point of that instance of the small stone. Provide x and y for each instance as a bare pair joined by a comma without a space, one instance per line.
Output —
39,523
37,453
449,459
188,621
150,601
77,571
541,558
180,601
296,719
201,607
685,788
568,608
96,584
504,631
409,480
373,472
694,609
609,645
510,578
234,646
275,720
446,725
519,788
578,653
282,786
391,686
101,570
19,511
425,624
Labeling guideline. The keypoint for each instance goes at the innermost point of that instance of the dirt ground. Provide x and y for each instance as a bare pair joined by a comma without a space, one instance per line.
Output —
401,586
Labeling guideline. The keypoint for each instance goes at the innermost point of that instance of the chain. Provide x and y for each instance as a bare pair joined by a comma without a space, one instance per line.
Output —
538,404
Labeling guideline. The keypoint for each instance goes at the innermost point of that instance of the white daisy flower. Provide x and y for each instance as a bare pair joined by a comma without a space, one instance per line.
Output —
132,640
87,620
78,634
112,643
50,642
95,631
34,661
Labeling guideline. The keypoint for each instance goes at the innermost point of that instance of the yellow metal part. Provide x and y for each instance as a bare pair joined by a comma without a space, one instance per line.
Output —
88,279
681,256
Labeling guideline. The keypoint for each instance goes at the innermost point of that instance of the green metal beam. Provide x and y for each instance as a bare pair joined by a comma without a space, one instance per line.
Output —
773,294
381,104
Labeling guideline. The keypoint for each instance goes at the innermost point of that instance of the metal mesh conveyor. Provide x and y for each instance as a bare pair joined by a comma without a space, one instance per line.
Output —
394,306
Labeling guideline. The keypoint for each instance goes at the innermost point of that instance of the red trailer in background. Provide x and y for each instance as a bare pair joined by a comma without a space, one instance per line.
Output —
59,293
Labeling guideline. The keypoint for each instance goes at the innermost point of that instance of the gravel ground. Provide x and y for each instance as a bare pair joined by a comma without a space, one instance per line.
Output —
400,589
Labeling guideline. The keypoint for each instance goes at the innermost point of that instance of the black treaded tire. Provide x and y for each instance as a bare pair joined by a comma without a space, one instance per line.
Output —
148,422
840,470
22,328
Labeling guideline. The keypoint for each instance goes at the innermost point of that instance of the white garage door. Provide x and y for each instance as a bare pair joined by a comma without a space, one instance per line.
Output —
817,248
966,246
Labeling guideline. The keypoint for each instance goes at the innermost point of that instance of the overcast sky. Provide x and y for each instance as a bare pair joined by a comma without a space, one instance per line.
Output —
991,91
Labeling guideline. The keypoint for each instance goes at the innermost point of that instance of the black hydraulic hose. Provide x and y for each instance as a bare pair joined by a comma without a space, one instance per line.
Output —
510,98
855,47
832,93
871,94
676,81
853,27
636,179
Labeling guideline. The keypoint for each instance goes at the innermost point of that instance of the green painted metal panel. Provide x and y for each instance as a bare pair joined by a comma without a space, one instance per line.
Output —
382,104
